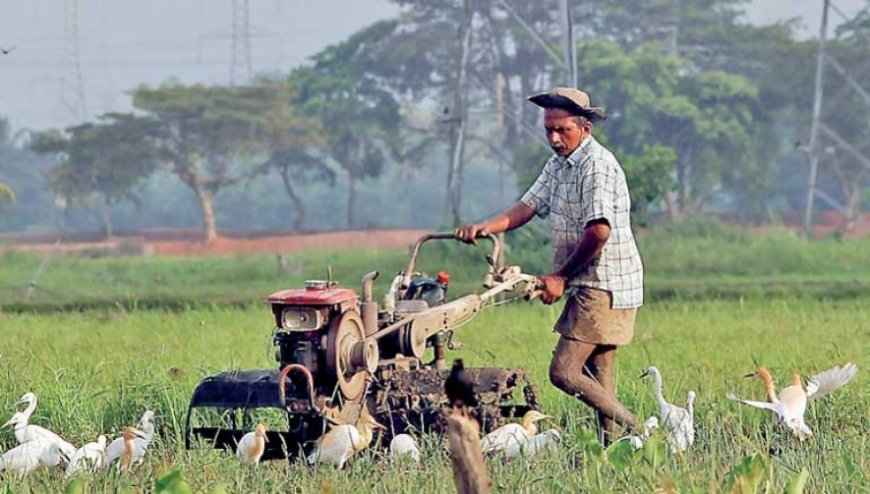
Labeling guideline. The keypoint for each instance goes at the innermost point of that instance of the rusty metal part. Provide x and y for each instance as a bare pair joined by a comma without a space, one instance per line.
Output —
344,333
415,400
368,307
412,260
309,379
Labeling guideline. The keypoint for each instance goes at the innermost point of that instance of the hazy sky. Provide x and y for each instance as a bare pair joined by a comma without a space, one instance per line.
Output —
122,43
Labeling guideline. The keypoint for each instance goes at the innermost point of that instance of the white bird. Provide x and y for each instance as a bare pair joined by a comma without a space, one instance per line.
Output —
791,403
89,457
126,462
404,446
679,422
30,456
25,432
514,434
252,445
342,441
547,440
140,444
650,426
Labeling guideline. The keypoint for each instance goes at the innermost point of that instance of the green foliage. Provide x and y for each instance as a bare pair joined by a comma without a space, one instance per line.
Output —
747,476
654,451
172,483
205,134
360,117
797,483
104,159
620,455
76,486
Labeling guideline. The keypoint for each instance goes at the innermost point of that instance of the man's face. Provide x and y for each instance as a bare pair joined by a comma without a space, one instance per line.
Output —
563,131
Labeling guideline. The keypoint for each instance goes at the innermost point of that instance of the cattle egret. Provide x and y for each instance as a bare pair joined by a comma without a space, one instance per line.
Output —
29,456
252,445
547,440
512,434
679,422
89,457
791,403
140,444
342,441
25,432
127,460
404,446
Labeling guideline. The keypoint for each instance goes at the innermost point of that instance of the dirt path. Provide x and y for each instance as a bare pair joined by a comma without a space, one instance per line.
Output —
228,246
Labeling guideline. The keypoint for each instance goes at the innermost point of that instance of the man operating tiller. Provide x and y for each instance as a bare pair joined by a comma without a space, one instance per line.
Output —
582,189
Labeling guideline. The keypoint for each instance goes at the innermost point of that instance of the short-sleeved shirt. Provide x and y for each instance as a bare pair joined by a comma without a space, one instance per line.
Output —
585,186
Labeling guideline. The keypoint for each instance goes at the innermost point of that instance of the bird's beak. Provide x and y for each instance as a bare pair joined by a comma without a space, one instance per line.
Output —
140,434
265,438
7,424
751,374
378,426
21,401
644,374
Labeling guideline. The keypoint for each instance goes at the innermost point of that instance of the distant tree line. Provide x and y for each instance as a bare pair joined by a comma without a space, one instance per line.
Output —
705,111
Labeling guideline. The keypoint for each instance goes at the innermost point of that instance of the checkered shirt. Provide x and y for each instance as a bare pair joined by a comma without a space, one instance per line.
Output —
589,185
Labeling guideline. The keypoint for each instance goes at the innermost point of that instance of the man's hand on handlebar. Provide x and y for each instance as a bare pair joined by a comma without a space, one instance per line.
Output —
469,233
553,287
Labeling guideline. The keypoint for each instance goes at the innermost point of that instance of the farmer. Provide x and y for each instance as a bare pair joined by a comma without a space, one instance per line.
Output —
597,267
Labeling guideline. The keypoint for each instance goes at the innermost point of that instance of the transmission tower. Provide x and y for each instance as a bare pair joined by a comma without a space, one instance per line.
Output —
72,94
240,52
818,127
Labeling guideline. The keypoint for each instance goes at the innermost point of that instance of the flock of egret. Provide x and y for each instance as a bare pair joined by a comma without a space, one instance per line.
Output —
40,447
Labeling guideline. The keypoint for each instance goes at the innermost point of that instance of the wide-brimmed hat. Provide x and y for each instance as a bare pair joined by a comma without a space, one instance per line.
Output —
570,99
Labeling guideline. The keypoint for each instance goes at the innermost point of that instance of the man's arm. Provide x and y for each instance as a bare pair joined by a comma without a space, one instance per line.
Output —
595,235
511,218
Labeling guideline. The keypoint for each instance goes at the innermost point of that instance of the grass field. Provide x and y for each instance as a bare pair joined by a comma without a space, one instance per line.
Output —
96,371
694,261
107,337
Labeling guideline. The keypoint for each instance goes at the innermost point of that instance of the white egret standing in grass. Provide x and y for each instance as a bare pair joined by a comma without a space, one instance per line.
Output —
25,432
140,444
679,422
127,460
404,446
791,403
547,440
89,457
30,456
512,434
343,440
252,445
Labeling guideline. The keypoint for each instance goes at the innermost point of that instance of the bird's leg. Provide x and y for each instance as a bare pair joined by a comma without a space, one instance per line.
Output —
566,373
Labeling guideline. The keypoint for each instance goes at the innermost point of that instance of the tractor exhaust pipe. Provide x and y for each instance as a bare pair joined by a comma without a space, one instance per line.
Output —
369,306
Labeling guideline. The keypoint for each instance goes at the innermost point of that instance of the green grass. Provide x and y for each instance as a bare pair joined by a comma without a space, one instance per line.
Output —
706,262
96,371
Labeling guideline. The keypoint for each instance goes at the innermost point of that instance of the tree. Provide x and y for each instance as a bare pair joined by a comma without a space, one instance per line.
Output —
104,159
697,127
208,136
301,166
360,117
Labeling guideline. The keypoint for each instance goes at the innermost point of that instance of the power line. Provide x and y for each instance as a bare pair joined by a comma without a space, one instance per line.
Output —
824,59
72,90
240,51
